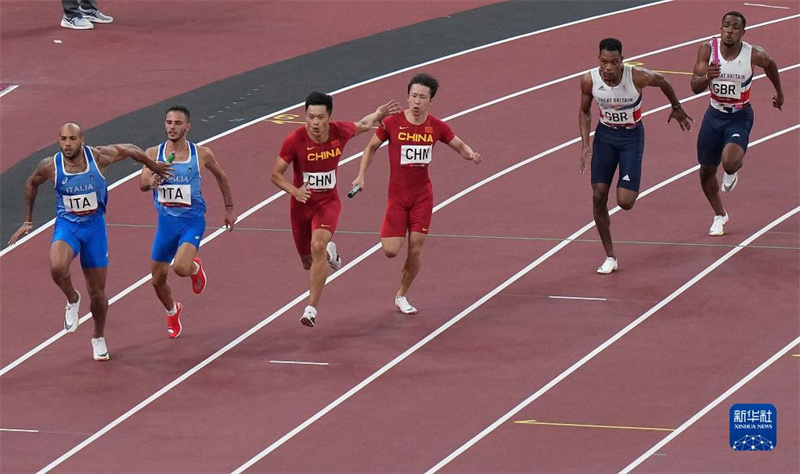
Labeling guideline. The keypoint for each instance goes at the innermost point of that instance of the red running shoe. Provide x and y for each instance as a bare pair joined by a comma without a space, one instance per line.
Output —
174,326
199,280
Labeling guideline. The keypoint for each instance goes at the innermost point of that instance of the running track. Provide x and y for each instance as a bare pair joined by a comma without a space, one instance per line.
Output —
499,353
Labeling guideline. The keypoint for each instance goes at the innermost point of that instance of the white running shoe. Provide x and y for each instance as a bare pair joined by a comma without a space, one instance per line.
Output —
76,23
334,260
404,306
608,266
71,317
729,182
309,317
718,226
99,348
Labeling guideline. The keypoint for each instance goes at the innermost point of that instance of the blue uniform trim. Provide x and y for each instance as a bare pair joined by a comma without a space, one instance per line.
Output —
634,105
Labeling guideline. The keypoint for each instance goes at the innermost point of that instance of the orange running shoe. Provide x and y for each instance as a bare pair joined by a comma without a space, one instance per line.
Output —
174,326
199,279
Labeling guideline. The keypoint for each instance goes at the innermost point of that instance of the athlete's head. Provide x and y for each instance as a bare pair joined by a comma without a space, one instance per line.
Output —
732,28
421,91
319,108
611,60
70,139
177,122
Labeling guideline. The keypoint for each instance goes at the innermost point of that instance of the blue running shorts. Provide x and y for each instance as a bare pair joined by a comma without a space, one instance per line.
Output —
173,232
87,239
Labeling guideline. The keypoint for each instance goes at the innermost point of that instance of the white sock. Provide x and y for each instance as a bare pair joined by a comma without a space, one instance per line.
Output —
173,311
195,268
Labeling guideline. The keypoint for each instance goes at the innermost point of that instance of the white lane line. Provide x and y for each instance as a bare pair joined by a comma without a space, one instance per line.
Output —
375,248
277,195
300,298
359,84
8,89
630,327
710,406
467,311
14,430
584,298
297,362
766,6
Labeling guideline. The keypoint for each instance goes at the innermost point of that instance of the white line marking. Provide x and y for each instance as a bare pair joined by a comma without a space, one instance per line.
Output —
630,327
12,430
359,84
710,406
8,89
766,6
587,298
275,196
300,298
297,362
464,313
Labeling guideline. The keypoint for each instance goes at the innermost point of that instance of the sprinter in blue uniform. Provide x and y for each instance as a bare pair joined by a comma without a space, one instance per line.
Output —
181,211
81,196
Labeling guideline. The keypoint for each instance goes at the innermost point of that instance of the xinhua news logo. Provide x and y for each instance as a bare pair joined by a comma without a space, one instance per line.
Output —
754,427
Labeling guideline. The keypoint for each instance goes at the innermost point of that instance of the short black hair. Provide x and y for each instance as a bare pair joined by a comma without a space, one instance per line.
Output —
611,44
180,108
424,80
735,13
318,98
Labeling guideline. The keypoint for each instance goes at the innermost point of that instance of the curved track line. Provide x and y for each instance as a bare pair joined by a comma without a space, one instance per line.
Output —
630,327
275,196
373,249
711,405
359,84
468,310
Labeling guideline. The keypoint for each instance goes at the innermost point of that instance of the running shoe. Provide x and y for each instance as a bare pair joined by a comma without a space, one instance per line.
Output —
71,317
99,348
404,306
76,23
729,181
718,226
95,16
610,265
334,260
174,326
309,317
199,278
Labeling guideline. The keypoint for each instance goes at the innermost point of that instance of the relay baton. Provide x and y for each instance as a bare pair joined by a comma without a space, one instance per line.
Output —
354,191
715,50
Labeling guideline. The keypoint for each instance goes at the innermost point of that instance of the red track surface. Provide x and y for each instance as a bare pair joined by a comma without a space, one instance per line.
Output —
420,411
153,51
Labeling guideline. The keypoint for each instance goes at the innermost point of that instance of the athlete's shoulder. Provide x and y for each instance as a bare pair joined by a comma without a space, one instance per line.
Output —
297,135
152,151
343,129
393,119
